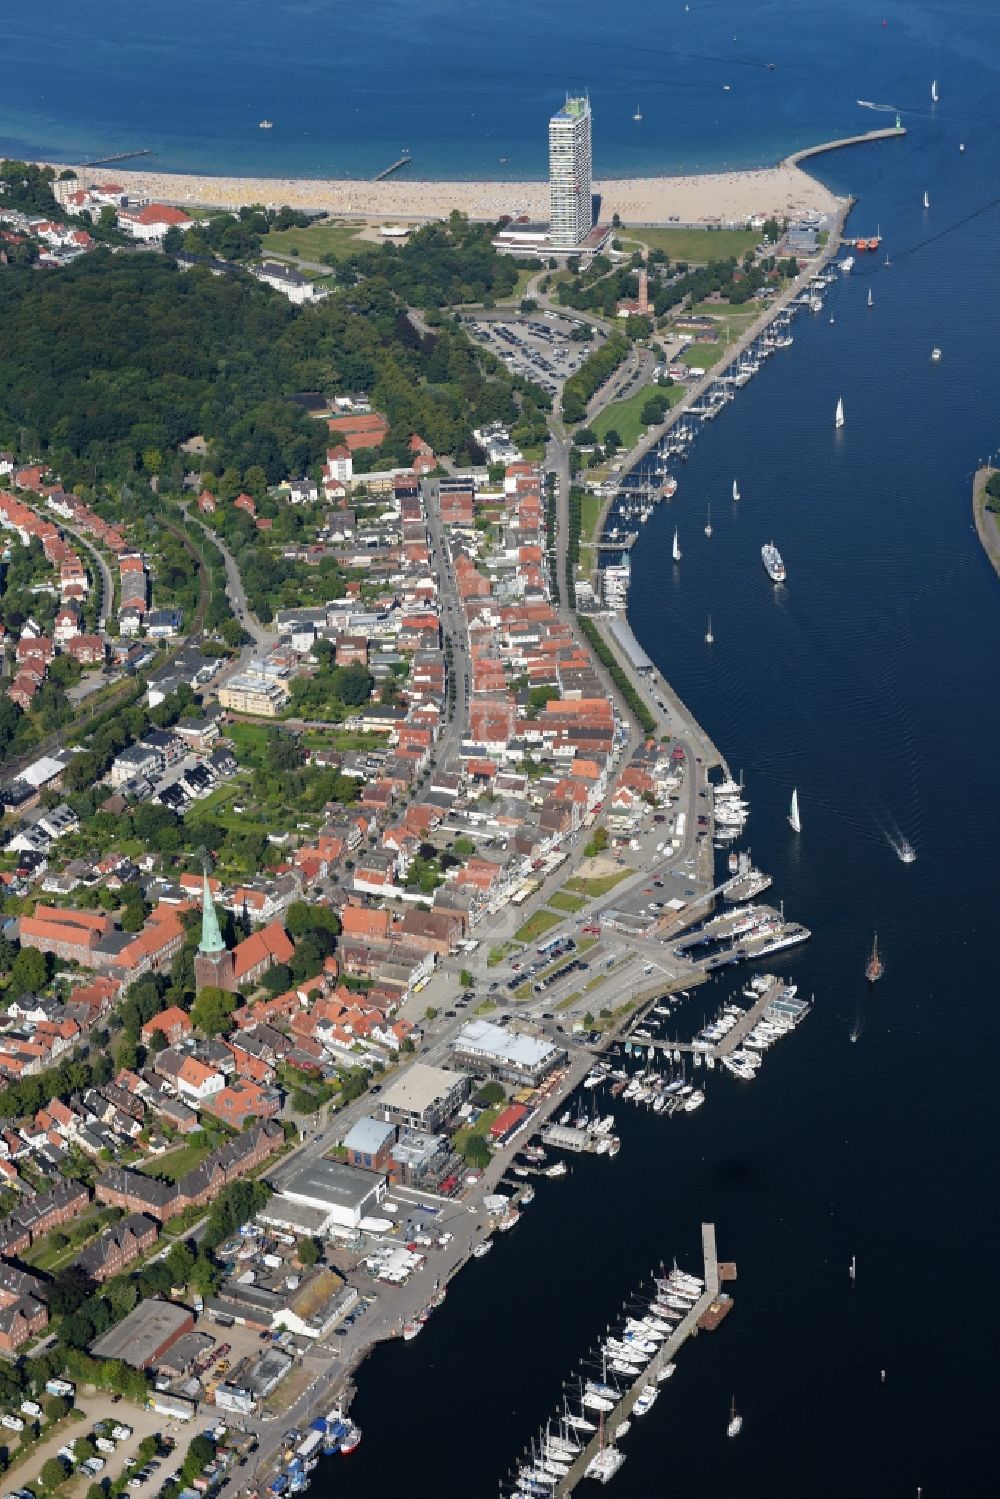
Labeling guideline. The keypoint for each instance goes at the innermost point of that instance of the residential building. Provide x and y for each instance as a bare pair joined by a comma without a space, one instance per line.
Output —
570,202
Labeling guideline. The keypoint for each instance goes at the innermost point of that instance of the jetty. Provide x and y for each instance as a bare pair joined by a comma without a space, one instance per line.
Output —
394,166
705,1315
889,132
733,1038
107,161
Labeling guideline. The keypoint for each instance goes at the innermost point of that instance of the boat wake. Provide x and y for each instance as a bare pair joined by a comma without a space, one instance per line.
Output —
901,847
884,109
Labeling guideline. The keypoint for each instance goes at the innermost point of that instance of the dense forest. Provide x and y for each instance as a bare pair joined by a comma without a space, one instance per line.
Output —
114,361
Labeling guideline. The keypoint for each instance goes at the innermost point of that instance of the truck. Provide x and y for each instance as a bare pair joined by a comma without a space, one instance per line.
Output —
59,1387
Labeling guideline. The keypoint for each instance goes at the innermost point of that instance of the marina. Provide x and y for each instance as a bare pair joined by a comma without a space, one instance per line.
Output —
582,1443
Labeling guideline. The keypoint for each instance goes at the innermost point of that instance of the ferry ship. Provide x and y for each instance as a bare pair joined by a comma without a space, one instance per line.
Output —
771,558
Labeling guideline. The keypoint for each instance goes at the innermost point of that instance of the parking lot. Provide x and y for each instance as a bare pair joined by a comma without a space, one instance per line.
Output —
539,347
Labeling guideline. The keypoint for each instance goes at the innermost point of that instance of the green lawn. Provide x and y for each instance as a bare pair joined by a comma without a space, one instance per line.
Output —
174,1164
523,277
703,356
536,926
625,416
697,246
497,954
316,241
736,318
590,509
481,1127
594,887
563,901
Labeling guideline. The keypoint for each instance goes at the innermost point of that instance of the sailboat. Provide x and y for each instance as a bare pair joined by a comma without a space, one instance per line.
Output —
934,92
851,1272
709,637
871,302
736,490
874,968
708,523
838,420
677,547
927,200
638,114
794,821
735,1422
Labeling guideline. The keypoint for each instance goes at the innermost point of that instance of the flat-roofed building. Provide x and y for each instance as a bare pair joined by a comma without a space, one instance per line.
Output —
343,1194
424,1096
494,1051
146,1334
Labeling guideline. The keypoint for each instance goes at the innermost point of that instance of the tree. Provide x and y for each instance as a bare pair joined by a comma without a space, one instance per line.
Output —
69,1290
212,1011
53,1472
465,979
477,1151
488,1095
308,1252
29,972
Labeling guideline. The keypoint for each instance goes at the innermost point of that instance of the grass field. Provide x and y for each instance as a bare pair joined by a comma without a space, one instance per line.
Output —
176,1163
536,926
697,246
703,356
562,900
316,241
594,887
590,509
625,416
736,318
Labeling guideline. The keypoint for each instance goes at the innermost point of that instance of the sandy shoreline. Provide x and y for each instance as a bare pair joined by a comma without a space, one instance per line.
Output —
729,197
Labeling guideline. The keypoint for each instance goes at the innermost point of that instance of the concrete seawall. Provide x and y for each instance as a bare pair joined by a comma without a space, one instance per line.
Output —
987,521
889,133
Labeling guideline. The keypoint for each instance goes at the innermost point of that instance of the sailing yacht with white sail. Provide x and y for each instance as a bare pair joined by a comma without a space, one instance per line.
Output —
709,637
736,490
838,420
927,199
708,523
934,92
871,301
794,821
676,553
735,1422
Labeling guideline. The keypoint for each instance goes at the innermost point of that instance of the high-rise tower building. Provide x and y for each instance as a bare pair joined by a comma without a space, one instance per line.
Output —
570,205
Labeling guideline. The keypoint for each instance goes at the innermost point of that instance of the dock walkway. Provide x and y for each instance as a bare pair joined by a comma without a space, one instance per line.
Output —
733,1038
685,1329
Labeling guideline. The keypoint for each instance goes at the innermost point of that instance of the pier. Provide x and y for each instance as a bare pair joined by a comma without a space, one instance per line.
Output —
107,161
401,161
889,132
733,1039
706,1314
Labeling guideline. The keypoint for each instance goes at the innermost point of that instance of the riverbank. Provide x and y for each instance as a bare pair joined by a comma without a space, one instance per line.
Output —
987,521
784,191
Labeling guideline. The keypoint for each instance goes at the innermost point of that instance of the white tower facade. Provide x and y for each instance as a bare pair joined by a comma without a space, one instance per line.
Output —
570,205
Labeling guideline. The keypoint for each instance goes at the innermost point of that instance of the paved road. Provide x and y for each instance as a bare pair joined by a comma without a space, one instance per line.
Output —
263,638
107,581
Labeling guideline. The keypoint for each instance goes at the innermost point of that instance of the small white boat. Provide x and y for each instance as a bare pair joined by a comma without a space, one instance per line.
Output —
934,91
961,146
709,637
482,1250
735,1421
838,420
907,852
645,1400
265,125
736,490
927,201
935,354
667,1372
871,302
676,552
794,821
637,117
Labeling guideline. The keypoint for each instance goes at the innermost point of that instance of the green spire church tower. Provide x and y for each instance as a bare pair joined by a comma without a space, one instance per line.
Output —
213,962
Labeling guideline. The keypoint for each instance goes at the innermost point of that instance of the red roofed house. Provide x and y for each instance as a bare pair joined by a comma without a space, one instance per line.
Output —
153,221
174,1024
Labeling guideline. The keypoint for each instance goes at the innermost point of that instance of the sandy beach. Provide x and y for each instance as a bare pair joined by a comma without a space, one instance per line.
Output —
726,197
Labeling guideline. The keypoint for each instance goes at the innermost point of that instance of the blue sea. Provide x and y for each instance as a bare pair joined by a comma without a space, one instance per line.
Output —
870,682
462,84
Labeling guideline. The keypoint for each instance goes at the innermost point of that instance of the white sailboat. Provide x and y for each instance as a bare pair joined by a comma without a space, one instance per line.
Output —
934,92
709,637
794,821
735,1422
871,302
708,523
677,547
927,200
638,114
736,490
838,420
